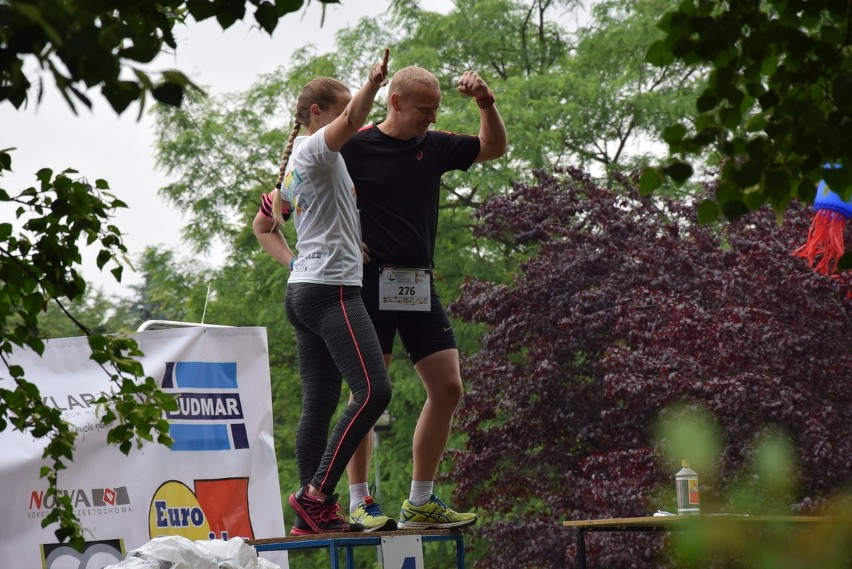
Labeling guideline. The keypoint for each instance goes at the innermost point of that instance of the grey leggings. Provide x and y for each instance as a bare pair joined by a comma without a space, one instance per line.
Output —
335,340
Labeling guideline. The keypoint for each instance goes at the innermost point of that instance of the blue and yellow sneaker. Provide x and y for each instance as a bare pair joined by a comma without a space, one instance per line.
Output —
434,514
369,515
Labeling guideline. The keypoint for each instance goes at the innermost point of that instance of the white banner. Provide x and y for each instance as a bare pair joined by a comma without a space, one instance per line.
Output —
218,480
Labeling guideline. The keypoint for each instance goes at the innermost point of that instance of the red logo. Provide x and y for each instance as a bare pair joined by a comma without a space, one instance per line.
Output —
109,496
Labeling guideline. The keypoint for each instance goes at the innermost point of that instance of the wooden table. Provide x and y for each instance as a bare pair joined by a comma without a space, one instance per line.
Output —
332,541
675,523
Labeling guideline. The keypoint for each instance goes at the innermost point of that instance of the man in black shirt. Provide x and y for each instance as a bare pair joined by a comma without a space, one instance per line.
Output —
396,167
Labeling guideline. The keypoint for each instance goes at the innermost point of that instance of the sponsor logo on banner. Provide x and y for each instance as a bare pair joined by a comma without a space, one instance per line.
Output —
210,412
86,502
95,554
73,401
216,509
79,409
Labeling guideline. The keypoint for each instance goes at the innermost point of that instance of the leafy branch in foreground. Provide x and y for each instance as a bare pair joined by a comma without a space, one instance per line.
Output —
86,44
38,266
775,108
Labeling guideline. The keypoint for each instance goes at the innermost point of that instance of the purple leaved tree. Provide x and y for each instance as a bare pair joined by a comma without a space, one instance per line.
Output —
622,308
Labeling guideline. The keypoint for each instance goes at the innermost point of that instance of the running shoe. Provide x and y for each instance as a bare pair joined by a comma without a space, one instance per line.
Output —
369,515
434,514
320,515
300,527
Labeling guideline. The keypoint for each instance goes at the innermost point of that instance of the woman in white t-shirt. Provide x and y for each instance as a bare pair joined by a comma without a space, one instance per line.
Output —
335,338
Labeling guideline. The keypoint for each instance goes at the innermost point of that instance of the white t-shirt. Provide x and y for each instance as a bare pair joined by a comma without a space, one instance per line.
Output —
325,214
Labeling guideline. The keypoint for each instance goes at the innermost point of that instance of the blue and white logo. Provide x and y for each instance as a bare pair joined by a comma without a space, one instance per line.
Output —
210,413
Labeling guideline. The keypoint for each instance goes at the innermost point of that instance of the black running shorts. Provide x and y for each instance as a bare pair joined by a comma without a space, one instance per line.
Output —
422,333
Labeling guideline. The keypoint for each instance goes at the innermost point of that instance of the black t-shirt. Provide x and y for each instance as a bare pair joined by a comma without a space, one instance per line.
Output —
398,183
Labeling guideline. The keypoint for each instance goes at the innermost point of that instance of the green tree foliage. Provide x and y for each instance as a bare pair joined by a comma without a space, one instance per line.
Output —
82,46
572,93
171,289
99,312
775,108
614,110
221,153
626,310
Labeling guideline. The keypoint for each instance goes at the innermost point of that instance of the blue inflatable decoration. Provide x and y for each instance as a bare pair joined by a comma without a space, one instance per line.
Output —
826,199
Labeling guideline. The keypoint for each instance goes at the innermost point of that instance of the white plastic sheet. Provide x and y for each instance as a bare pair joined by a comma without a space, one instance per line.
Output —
176,552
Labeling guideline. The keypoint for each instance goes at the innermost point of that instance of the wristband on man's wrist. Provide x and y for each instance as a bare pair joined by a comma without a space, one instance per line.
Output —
292,261
486,102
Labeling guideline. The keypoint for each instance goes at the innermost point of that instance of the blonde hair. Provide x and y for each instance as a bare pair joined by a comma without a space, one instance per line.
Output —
322,91
407,79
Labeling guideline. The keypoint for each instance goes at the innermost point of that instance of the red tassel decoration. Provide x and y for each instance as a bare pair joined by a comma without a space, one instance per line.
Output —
825,240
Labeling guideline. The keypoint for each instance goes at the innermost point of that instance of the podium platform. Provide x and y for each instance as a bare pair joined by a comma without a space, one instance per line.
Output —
348,541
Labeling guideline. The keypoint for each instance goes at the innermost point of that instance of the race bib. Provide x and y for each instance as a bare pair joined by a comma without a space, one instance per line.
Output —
403,288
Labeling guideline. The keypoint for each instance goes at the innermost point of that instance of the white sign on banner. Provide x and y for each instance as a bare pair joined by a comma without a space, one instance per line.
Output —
218,480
